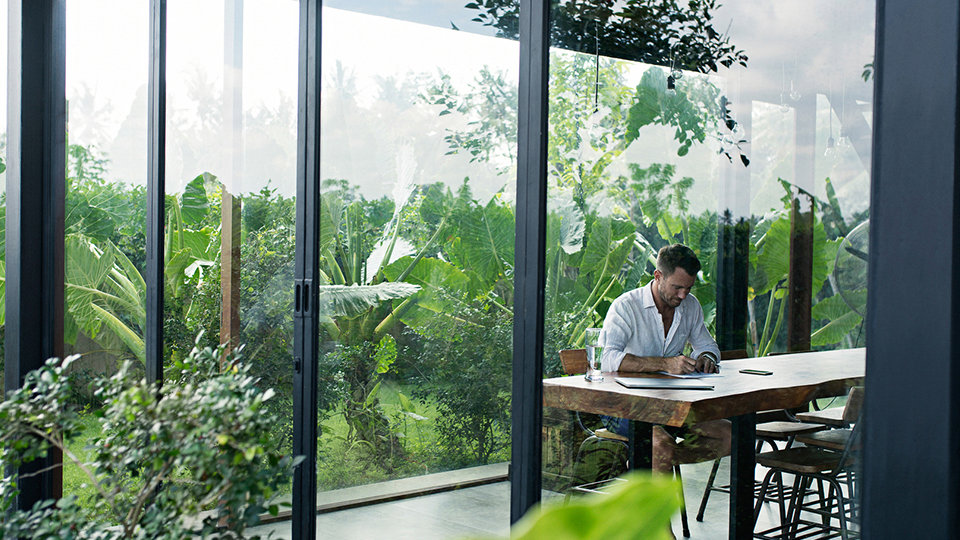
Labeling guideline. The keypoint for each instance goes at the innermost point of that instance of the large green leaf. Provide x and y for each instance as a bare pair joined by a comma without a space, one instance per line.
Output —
174,272
651,501
94,222
568,222
487,239
86,270
442,293
85,265
352,300
331,215
203,244
195,204
773,254
435,203
598,245
618,256
835,330
830,308
130,338
129,279
438,280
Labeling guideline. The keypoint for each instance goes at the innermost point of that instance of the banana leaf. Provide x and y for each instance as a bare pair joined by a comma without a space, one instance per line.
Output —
349,301
194,203
86,269
331,215
443,288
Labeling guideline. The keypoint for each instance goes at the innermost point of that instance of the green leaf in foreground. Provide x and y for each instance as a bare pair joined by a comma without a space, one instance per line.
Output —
641,507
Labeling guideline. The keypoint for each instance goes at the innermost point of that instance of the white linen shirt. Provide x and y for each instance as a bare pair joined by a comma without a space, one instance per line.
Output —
633,325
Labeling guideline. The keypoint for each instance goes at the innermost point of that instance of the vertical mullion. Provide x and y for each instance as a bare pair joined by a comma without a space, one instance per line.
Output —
912,391
526,444
156,187
305,338
36,185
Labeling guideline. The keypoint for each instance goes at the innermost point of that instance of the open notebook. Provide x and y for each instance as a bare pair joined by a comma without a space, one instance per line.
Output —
672,384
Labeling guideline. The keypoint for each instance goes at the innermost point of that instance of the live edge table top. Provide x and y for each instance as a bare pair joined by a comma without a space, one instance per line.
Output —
797,378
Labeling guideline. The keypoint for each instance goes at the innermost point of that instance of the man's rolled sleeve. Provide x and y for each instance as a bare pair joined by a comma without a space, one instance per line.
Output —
700,338
614,337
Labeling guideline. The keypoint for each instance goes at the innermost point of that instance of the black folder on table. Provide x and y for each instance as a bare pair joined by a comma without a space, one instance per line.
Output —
663,384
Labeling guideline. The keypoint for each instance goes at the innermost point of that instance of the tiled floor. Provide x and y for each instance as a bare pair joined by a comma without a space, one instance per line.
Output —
483,512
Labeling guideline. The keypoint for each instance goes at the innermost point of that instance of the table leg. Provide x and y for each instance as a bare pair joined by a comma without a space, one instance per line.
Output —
743,460
641,445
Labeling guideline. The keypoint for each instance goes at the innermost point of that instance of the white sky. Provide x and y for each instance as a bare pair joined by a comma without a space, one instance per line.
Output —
819,46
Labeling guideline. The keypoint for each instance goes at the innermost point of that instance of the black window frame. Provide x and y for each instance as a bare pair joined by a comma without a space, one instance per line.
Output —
911,466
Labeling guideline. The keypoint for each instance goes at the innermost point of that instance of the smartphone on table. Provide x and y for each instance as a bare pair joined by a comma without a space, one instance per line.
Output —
756,372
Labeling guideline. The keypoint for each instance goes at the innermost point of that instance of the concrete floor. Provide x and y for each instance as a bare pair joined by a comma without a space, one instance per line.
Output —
483,512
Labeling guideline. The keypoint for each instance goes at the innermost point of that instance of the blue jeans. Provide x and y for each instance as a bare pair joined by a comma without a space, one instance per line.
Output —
620,426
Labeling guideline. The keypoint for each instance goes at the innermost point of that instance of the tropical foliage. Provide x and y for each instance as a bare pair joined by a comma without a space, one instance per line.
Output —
209,445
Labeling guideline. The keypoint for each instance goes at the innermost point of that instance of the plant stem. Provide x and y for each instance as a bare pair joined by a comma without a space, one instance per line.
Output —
776,327
406,271
766,324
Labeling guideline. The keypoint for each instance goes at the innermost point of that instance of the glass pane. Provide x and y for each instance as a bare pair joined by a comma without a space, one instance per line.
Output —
230,181
417,236
106,90
741,131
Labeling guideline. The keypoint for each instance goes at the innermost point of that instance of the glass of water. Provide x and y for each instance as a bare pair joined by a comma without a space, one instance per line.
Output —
594,352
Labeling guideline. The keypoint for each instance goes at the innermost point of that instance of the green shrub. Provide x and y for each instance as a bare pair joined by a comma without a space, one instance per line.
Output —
201,442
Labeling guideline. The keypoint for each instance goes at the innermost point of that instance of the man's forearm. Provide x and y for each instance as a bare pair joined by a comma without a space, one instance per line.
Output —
643,364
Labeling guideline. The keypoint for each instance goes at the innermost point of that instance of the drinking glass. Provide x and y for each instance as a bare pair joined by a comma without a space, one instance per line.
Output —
594,352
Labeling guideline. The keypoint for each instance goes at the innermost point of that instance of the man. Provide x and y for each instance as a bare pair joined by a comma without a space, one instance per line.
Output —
646,330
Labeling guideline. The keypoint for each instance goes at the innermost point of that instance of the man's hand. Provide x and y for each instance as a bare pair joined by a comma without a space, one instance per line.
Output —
706,364
679,364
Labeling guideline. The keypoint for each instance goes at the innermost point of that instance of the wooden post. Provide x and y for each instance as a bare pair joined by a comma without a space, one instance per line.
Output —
230,270
233,169
801,273
799,296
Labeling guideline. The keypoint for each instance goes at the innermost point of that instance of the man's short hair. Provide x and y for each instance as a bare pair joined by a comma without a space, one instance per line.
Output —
677,256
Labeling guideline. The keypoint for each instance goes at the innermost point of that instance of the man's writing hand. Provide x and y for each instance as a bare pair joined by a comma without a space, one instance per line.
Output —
706,364
679,364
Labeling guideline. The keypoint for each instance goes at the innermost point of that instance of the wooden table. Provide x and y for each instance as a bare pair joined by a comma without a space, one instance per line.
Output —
797,379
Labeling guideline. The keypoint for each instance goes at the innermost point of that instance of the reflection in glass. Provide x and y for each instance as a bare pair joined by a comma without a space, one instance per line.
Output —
717,135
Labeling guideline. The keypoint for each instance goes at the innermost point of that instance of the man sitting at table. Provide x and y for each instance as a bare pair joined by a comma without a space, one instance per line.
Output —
646,330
